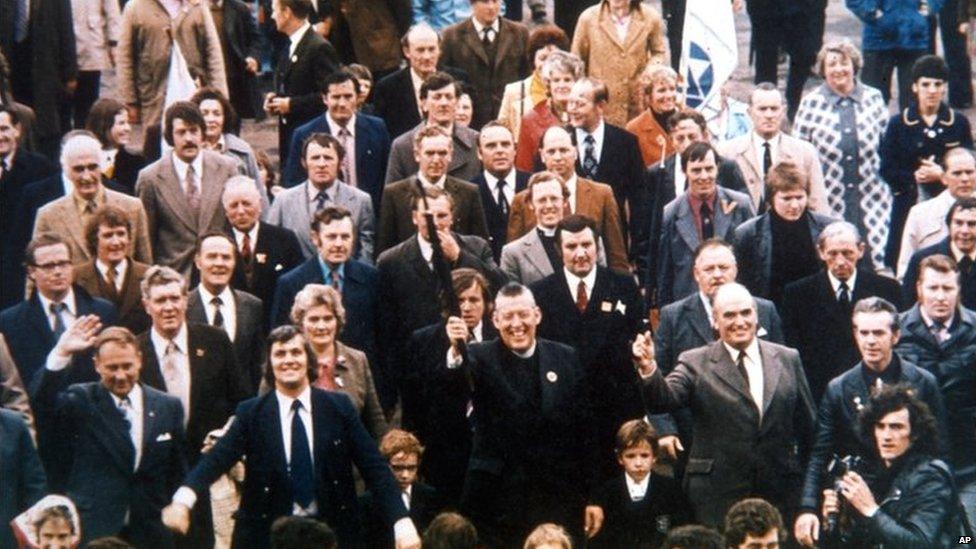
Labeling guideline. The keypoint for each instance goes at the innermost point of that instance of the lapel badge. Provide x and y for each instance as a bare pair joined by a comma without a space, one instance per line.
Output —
551,376
279,267
152,413
728,206
294,58
339,383
261,258
606,306
199,353
621,308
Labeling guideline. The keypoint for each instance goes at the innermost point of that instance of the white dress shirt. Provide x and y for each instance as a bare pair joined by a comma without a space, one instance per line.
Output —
285,414
417,81
637,490
228,309
405,496
707,304
350,148
621,24
509,188
120,271
835,284
679,178
573,281
296,37
571,187
480,29
181,360
428,183
757,143
753,364
597,134
181,167
68,316
135,419
426,251
252,234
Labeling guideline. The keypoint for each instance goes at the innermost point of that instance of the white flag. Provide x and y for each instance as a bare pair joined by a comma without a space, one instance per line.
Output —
709,53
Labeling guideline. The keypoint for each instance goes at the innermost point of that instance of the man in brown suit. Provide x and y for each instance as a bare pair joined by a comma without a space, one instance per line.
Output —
432,150
111,273
594,200
492,50
181,191
66,216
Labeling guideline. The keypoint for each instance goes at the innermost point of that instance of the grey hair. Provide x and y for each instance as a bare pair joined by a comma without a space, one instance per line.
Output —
836,229
877,305
79,141
564,62
313,295
160,275
241,183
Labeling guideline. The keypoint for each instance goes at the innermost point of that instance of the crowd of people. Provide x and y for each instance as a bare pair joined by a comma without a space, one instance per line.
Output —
496,284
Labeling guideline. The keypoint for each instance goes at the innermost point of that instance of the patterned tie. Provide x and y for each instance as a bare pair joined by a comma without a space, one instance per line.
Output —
938,330
581,300
59,326
246,250
349,176
111,277
502,199
320,199
335,280
174,378
300,468
192,189
589,157
125,406
707,228
218,318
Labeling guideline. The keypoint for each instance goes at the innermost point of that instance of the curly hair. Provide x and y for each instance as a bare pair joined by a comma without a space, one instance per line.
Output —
751,517
892,398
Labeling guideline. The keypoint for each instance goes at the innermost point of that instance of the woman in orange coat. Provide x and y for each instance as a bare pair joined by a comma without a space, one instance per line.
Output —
661,91
560,71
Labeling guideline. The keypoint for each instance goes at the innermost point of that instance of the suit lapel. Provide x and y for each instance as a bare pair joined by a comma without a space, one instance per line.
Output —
685,224
728,372
473,41
275,436
130,296
549,370
71,222
698,317
504,40
114,436
608,28
212,190
722,218
172,193
535,253
37,318
420,267
772,370
150,422
754,179
197,357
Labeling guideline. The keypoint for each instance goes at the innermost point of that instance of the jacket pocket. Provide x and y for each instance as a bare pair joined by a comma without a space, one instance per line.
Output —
699,466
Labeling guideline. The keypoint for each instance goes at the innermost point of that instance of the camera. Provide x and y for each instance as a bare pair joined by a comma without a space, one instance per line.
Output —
838,467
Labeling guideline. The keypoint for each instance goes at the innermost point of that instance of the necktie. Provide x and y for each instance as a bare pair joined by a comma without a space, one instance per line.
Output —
22,21
741,365
300,468
348,175
326,379
707,229
246,249
335,280
767,158
111,277
486,37
3,167
128,418
938,331
844,297
173,376
192,189
581,300
320,199
218,318
90,207
965,264
59,325
502,199
589,156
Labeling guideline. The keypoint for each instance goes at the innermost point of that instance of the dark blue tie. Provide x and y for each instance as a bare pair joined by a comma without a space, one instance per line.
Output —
300,469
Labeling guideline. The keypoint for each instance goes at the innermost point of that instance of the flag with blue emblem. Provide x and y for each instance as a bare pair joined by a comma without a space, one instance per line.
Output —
709,53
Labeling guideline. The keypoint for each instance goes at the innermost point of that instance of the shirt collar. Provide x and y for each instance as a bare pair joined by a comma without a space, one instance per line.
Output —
574,280
439,183
479,331
835,282
253,233
296,37
752,351
119,269
426,249
81,202
226,297
757,140
313,192
327,271
597,134
525,354
957,253
334,126
180,166
134,396
493,181
479,28
159,342
69,301
855,95
929,322
696,204
637,490
284,401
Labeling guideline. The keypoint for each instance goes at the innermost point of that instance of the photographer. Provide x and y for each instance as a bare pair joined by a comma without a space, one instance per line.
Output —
912,502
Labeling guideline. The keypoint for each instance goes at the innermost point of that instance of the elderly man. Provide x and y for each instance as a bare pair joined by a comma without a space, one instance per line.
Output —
759,391
960,245
767,145
925,224
181,191
68,215
322,156
265,252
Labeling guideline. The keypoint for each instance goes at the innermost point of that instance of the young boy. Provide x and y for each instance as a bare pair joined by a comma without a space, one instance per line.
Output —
639,506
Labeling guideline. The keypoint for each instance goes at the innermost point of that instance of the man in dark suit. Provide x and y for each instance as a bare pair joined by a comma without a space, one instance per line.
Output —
112,274
19,167
214,302
875,322
759,391
264,252
120,443
498,182
241,44
24,480
665,181
298,462
688,324
436,408
32,327
433,151
938,334
408,289
534,455
492,50
605,153
597,312
302,67
816,309
363,137
960,245
704,211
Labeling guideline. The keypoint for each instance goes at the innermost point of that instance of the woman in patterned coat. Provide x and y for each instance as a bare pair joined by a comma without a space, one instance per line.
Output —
845,119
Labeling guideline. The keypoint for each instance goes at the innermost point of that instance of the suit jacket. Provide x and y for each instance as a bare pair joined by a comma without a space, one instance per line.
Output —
275,252
754,250
643,524
524,260
132,315
339,440
299,78
924,227
425,504
497,221
967,293
650,137
743,151
24,480
173,226
61,217
727,453
126,168
292,210
620,167
13,393
464,165
217,383
240,40
594,200
372,153
354,378
27,167
249,332
396,100
461,46
97,467
396,219
837,422
679,238
817,326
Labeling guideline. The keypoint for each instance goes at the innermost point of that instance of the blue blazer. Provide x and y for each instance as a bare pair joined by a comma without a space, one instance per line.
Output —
339,440
359,293
372,150
23,477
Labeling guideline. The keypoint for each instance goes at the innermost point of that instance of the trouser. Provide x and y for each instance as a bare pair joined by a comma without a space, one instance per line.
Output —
879,66
956,56
799,35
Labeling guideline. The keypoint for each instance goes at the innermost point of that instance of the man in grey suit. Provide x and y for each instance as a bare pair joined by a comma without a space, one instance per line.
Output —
181,191
752,412
433,151
67,216
439,95
704,211
294,208
214,302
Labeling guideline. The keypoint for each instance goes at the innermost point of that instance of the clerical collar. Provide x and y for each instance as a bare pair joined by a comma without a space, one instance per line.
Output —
525,354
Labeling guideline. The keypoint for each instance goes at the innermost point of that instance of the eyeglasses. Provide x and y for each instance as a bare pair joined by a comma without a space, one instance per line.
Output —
404,468
48,267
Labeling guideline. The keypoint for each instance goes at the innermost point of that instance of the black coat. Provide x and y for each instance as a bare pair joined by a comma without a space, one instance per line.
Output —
249,333
299,77
817,327
967,290
275,252
240,41
620,167
643,524
425,504
127,166
497,222
396,103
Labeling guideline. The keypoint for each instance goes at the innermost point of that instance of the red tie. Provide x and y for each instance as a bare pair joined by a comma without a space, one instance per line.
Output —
246,248
581,299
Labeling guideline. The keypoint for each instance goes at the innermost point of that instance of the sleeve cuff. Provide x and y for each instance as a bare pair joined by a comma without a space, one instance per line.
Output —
185,496
454,360
55,362
404,529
